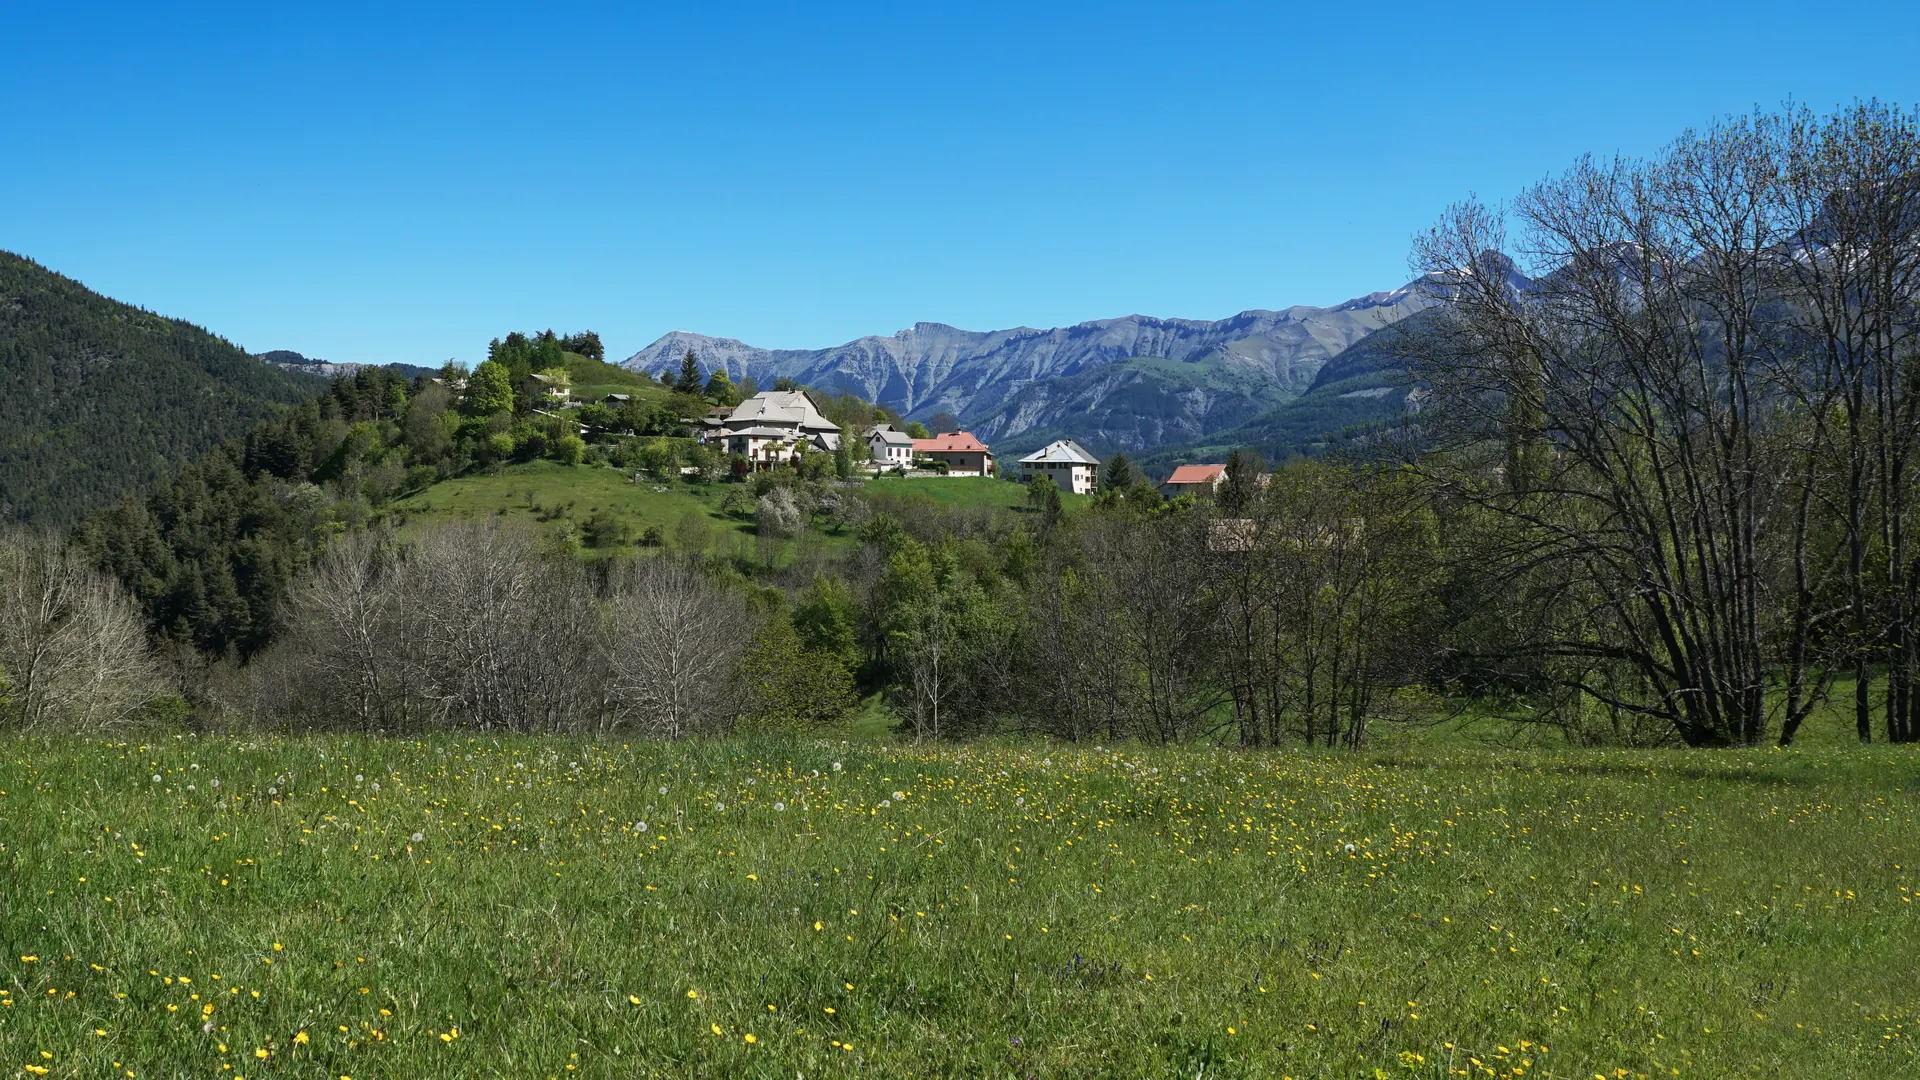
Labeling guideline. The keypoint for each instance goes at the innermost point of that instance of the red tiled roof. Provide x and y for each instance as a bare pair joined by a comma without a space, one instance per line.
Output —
950,442
1196,474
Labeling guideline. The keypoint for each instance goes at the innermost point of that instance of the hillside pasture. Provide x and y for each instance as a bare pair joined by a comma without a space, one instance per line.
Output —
477,906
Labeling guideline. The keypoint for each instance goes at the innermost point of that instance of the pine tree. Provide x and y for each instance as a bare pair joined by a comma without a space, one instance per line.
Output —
689,381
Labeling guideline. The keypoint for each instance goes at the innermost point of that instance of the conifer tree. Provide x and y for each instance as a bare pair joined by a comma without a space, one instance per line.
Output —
689,381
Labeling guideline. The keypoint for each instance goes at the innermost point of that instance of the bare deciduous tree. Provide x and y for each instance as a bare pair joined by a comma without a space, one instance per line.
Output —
74,649
672,640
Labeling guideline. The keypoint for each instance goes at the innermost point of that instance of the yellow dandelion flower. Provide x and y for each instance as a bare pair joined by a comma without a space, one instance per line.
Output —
716,1030
750,1038
632,1000
300,1038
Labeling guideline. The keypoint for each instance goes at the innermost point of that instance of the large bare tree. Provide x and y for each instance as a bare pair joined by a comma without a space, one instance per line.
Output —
74,649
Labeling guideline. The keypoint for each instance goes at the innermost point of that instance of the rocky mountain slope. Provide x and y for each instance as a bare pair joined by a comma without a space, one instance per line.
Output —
1125,383
1362,401
99,397
289,360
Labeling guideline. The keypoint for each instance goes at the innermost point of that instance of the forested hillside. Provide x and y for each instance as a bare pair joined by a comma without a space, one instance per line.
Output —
98,397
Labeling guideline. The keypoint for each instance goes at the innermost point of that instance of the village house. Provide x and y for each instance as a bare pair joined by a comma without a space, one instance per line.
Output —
1194,480
551,386
889,446
1067,463
963,454
770,427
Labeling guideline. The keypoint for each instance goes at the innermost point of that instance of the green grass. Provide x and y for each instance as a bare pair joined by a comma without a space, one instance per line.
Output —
989,911
593,380
533,491
966,491
538,491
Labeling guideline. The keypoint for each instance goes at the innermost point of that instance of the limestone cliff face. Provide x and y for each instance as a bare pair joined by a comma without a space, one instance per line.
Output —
1122,383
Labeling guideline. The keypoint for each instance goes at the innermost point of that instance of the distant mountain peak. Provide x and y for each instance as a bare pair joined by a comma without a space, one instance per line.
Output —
1025,384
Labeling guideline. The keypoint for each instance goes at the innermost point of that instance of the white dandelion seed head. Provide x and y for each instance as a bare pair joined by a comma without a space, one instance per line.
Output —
718,807
357,778
663,789
1351,849
214,783
156,778
376,785
640,827
899,794
1020,800
836,766
780,807
273,791
886,802
192,787
417,837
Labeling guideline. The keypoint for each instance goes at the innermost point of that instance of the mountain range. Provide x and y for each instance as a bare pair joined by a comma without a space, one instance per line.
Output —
1130,383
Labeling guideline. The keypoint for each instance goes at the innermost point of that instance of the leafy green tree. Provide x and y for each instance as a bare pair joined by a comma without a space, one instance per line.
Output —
599,417
789,687
489,389
1119,474
656,458
1043,498
720,388
917,430
689,380
693,533
843,454
586,343
568,449
827,618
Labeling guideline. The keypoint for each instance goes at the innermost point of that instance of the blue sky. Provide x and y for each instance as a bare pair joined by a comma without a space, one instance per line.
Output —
396,182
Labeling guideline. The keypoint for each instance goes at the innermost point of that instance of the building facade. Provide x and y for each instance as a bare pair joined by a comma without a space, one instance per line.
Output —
963,454
1066,463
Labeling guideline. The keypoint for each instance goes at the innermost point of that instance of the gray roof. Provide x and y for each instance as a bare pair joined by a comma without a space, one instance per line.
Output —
781,407
1062,450
893,436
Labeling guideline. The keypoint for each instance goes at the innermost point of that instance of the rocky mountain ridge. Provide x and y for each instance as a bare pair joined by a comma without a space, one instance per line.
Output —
1121,383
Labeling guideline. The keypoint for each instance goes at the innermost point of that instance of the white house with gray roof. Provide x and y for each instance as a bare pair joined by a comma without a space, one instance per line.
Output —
770,427
1068,463
890,446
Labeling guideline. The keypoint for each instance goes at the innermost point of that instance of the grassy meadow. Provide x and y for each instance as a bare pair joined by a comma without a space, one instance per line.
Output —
472,906
551,496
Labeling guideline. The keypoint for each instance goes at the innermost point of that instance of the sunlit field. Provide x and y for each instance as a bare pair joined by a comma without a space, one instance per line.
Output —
344,907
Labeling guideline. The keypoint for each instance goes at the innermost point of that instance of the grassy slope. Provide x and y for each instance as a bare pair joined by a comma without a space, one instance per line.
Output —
967,491
1034,912
534,490
595,379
